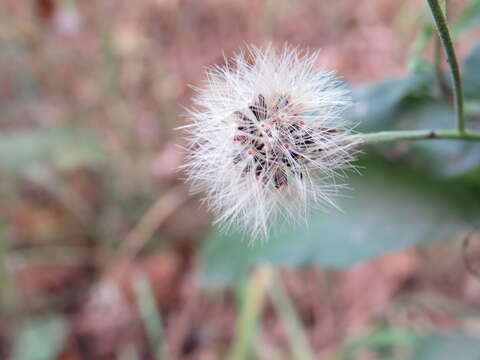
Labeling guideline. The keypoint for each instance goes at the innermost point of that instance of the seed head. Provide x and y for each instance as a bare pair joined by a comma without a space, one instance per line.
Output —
267,140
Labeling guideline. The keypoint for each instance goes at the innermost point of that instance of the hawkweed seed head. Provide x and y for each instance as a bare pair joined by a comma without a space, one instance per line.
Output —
267,139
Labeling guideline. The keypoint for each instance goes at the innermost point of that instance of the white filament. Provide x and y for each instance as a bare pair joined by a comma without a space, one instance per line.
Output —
267,139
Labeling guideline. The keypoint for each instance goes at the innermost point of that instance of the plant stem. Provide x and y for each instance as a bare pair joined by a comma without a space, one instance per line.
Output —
290,320
442,84
251,308
442,28
387,136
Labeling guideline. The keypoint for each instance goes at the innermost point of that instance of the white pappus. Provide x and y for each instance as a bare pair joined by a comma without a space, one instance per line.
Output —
267,140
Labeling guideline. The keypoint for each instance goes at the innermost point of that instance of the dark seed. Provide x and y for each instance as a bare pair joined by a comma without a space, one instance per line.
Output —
263,106
242,116
330,131
294,155
286,161
280,178
260,160
246,169
281,103
241,138
293,128
238,158
259,109
304,140
254,111
258,145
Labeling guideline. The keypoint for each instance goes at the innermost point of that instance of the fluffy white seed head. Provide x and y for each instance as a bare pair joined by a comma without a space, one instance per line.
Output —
267,140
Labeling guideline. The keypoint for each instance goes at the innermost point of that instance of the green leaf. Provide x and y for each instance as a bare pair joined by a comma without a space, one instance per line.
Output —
59,147
383,338
40,338
441,157
389,208
471,73
150,315
469,18
415,60
448,346
378,104
408,103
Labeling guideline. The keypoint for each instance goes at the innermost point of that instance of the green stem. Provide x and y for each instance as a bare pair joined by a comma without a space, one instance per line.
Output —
442,28
442,83
386,136
252,305
290,320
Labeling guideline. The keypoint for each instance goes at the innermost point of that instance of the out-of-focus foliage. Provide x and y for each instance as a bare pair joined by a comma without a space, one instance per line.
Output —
438,346
89,95
391,206
417,107
471,76
40,338
469,18
404,344
58,148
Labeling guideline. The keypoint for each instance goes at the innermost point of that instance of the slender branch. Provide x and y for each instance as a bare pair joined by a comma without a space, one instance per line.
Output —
387,136
251,308
442,27
442,84
152,219
139,236
443,87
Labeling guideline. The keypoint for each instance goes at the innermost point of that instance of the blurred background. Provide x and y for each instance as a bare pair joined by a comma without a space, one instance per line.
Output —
105,255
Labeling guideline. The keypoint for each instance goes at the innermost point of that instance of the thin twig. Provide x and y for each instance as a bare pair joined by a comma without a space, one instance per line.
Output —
388,136
139,236
285,309
443,88
442,85
152,219
251,308
443,32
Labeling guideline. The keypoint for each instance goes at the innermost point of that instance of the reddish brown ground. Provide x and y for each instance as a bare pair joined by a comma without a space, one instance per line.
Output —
122,68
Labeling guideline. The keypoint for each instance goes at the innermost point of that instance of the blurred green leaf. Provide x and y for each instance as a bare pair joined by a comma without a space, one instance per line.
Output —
40,338
60,147
408,103
290,319
448,346
469,18
382,338
471,73
389,208
129,353
252,297
441,157
415,60
378,104
150,315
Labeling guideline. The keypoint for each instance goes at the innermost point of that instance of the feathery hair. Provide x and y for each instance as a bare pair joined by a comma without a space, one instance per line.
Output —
267,139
